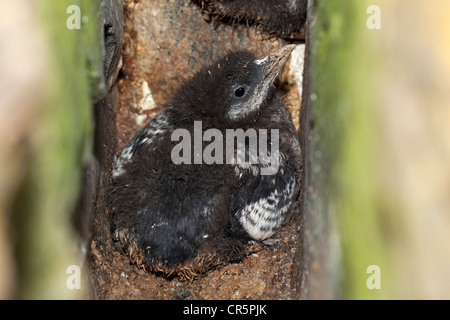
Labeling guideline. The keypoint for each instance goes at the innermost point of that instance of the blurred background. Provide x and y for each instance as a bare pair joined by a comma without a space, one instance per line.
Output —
378,161
380,144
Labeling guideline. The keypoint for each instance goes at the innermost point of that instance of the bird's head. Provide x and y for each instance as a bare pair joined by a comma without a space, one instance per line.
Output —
233,89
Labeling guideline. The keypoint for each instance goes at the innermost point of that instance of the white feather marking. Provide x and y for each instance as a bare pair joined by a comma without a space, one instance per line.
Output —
154,130
261,219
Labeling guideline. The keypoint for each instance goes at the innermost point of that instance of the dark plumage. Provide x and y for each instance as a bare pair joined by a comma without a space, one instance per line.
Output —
281,18
183,219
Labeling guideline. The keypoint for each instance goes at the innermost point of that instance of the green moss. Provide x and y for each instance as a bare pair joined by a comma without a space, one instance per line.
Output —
345,134
46,243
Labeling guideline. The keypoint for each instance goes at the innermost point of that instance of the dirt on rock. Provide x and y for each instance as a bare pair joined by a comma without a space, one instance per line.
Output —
263,275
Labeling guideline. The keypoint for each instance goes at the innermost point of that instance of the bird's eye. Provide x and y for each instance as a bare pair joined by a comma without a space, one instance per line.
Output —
239,92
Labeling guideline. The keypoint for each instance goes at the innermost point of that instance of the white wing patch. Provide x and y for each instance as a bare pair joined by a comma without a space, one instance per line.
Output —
292,4
149,134
262,218
124,157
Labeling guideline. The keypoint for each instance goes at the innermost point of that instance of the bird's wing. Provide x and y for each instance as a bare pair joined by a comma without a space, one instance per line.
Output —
147,135
260,203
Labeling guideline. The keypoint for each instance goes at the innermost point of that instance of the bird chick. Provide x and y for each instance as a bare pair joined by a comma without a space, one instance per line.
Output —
190,189
280,18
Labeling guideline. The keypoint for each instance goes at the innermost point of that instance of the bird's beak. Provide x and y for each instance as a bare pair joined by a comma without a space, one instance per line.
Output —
267,69
273,63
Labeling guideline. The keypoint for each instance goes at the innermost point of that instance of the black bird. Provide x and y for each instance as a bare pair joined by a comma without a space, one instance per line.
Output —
182,219
281,18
